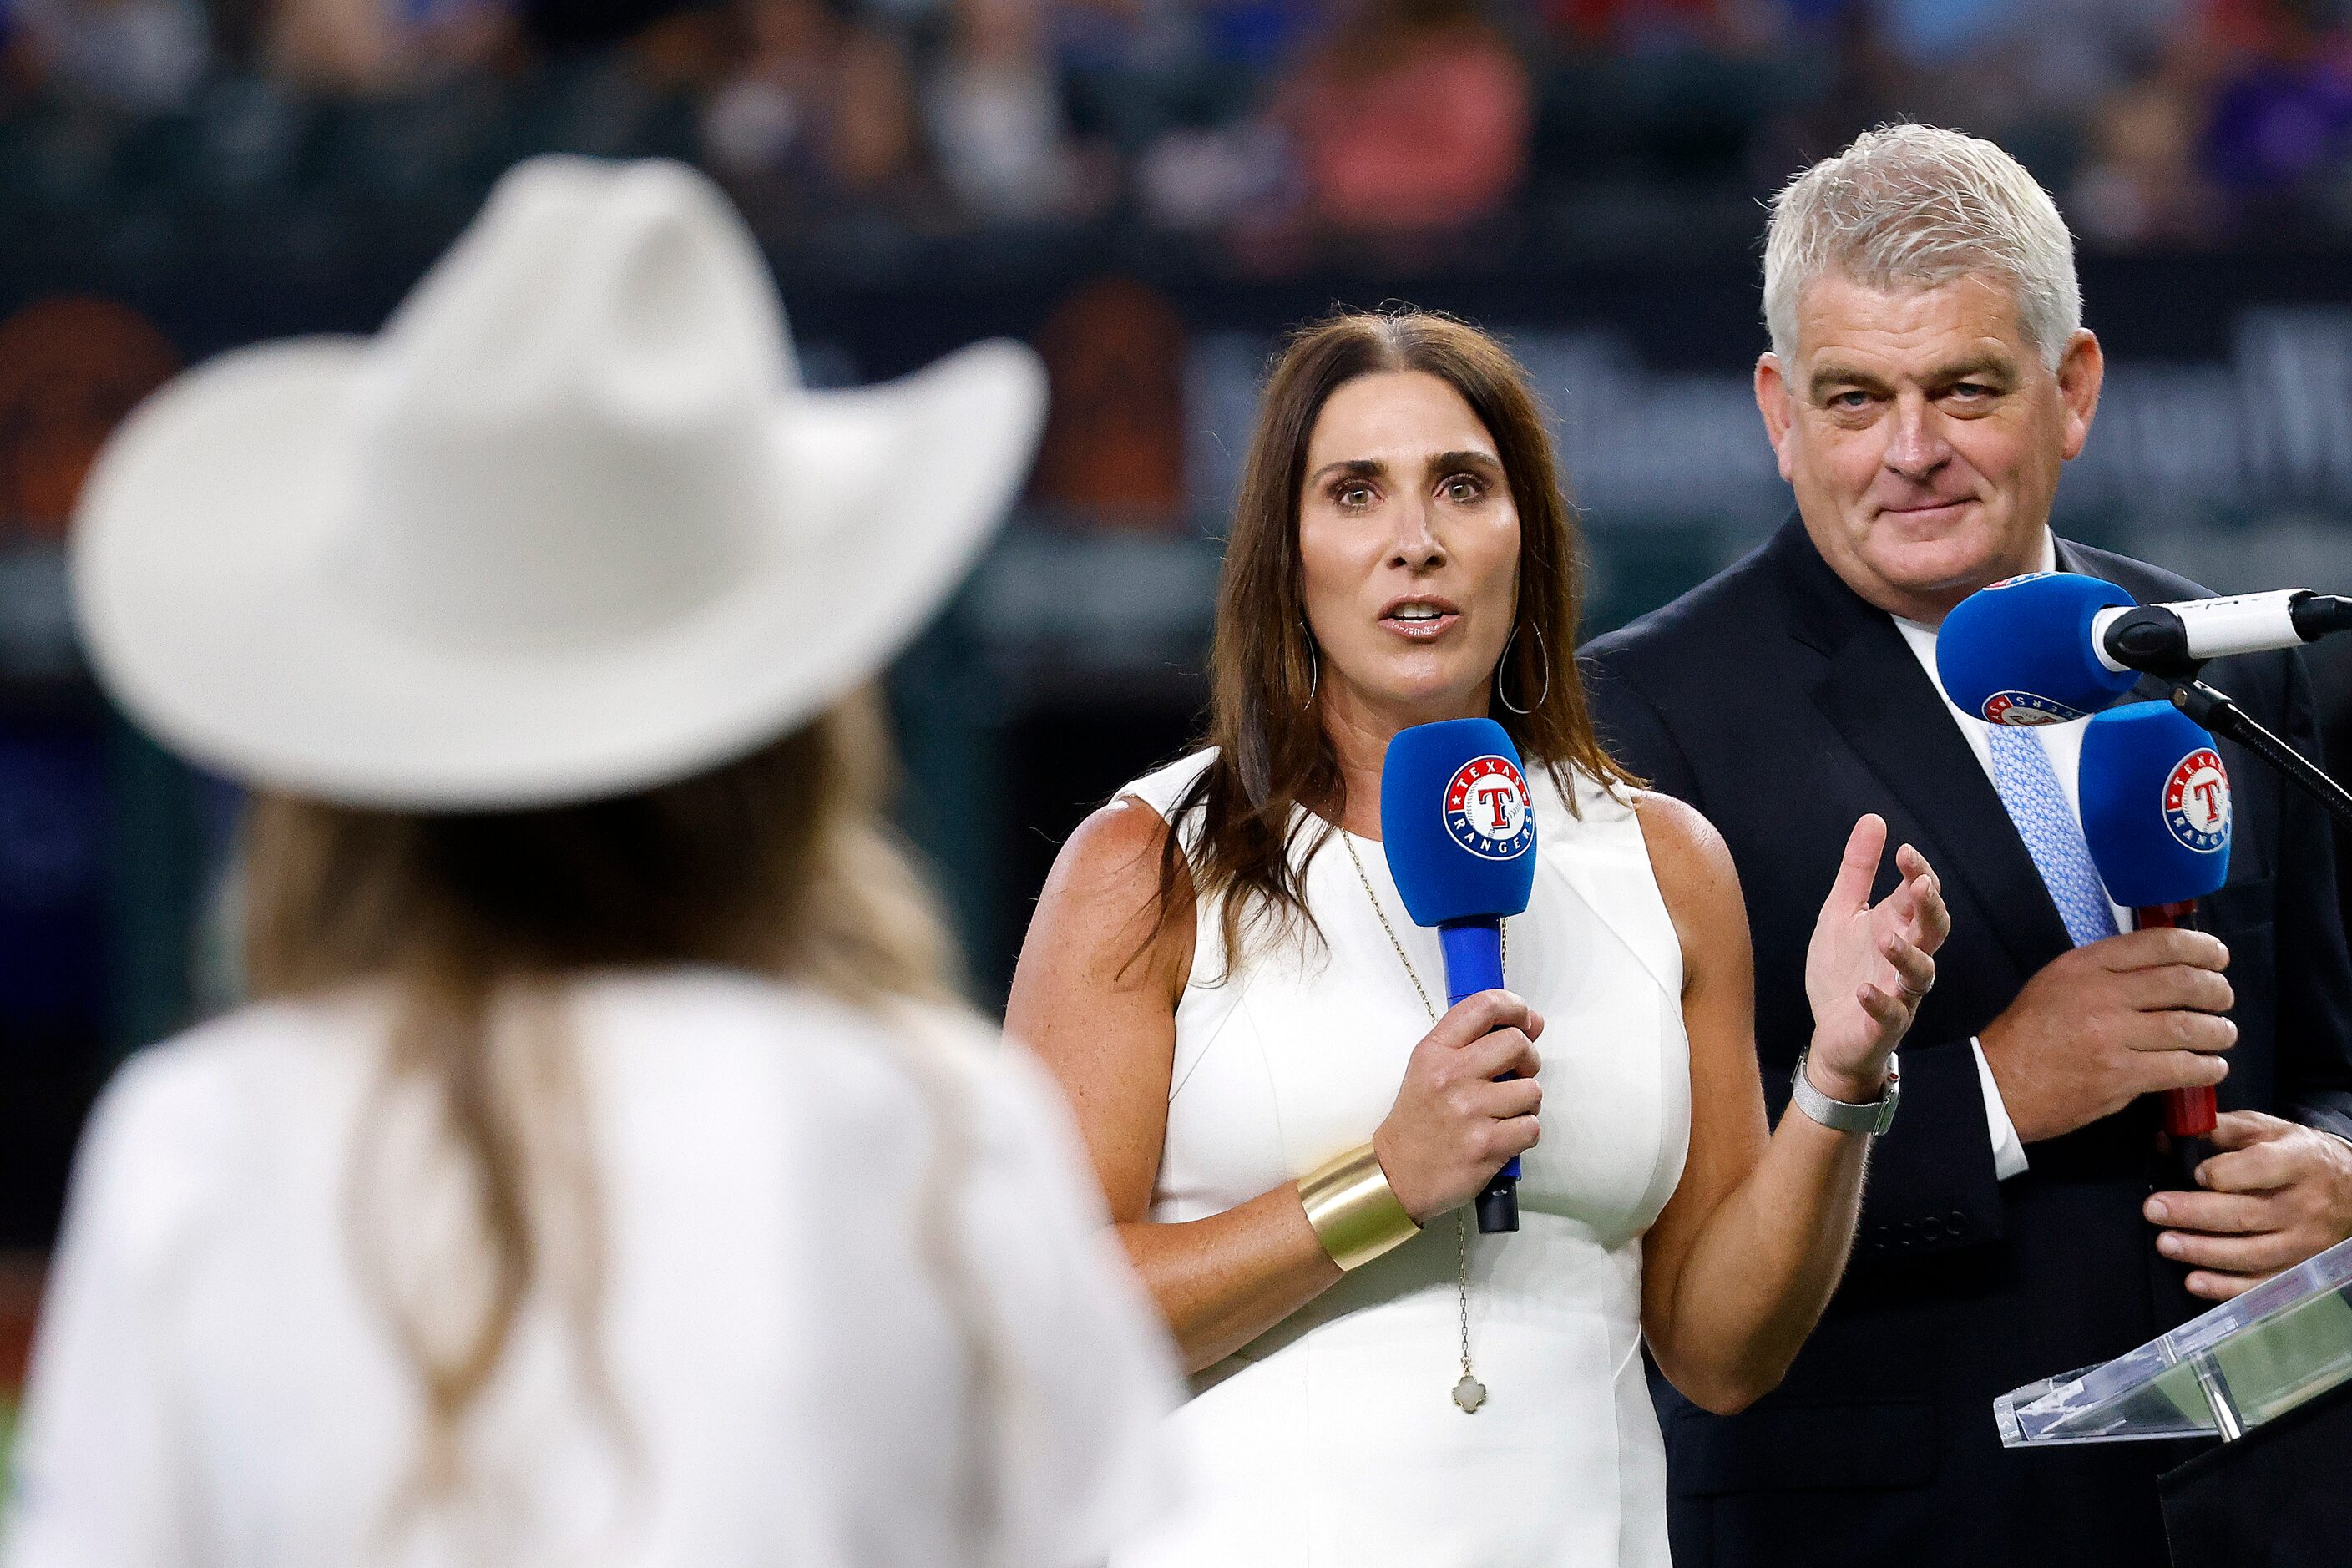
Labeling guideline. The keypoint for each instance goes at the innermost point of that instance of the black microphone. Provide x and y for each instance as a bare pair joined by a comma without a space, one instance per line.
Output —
2173,639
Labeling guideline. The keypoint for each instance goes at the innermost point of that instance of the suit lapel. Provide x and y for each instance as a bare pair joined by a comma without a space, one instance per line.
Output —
1876,696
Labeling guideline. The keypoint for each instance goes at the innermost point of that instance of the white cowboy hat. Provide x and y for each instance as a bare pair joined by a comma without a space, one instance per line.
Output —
569,527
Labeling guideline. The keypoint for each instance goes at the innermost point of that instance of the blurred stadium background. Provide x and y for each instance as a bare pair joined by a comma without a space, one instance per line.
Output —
1150,190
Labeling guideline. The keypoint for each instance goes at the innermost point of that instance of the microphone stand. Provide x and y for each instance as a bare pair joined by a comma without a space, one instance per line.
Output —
2214,709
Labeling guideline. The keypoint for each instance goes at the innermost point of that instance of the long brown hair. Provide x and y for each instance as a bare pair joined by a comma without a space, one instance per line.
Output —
778,864
1274,756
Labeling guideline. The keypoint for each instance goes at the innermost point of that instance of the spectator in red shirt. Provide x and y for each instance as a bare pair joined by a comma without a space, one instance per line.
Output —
1416,118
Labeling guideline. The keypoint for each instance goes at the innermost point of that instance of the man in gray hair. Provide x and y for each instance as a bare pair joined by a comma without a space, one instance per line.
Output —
1930,377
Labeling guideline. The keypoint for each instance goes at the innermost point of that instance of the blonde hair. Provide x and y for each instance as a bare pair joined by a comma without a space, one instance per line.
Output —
1916,207
779,864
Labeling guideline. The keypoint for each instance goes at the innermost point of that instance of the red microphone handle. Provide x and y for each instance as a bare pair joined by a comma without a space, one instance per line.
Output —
2188,1112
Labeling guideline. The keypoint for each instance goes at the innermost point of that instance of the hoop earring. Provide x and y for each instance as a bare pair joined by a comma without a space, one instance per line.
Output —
1542,655
1314,671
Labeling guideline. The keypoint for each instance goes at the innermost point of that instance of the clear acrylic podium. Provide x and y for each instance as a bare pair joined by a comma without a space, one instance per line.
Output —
2246,1363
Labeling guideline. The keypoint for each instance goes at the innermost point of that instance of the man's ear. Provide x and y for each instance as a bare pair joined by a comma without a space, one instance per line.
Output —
1774,401
2082,370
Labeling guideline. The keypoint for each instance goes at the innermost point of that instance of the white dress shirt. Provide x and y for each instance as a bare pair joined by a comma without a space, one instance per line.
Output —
2063,746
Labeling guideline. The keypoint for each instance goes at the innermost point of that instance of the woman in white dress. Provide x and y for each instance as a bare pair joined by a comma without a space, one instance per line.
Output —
604,1174
1243,1014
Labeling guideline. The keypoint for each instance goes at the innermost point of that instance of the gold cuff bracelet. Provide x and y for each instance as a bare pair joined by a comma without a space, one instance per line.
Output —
1355,1214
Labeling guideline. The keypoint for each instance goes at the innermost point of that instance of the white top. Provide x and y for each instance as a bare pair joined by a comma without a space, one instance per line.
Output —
212,1385
1332,1441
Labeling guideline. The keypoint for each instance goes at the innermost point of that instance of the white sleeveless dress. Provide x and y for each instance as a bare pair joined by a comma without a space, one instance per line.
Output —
1332,1440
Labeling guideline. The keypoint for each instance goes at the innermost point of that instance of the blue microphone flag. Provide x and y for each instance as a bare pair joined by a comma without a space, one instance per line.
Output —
2021,652
2156,805
1458,822
1459,828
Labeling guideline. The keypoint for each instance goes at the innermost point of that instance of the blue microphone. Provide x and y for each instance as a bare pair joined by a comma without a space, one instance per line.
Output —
1460,831
2023,651
2156,815
2058,645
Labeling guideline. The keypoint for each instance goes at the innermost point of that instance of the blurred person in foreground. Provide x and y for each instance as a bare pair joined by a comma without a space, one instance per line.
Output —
1928,378
1224,977
605,1173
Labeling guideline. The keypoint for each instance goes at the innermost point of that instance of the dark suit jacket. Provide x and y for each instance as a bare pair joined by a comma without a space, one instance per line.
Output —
1782,705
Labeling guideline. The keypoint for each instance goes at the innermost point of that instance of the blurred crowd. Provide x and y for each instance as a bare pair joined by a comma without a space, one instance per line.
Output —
1274,133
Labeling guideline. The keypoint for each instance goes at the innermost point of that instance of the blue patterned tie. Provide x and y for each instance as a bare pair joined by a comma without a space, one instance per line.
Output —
2028,789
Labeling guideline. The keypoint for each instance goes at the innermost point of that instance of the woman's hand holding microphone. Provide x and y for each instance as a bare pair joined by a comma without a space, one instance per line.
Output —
1452,1126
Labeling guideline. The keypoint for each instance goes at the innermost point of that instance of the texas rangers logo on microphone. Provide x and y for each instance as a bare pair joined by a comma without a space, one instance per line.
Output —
1487,808
2197,801
2023,708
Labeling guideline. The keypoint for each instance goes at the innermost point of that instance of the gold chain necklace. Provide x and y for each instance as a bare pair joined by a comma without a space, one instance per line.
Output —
1469,1394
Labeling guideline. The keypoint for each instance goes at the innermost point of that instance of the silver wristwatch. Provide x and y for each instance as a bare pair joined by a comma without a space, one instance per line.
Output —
1842,1116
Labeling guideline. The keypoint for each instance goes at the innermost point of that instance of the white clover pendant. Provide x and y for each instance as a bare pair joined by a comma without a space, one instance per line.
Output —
1469,1394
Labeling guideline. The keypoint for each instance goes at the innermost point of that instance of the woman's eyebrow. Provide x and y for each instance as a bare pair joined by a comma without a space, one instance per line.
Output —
1350,468
1467,457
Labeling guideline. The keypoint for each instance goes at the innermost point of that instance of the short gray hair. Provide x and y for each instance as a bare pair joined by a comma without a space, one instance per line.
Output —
1913,205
